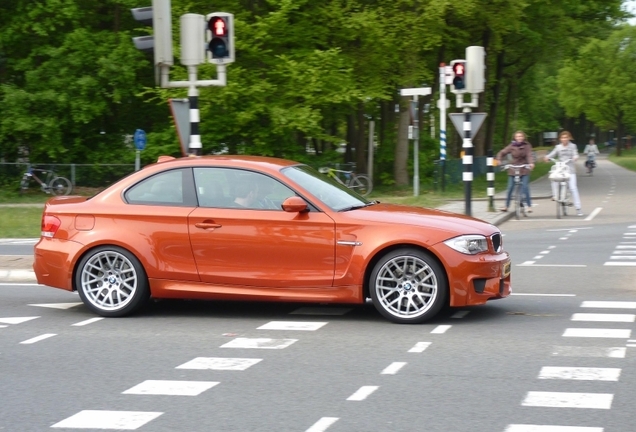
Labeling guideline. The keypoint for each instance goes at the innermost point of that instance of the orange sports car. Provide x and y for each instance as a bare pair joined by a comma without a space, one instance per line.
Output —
258,228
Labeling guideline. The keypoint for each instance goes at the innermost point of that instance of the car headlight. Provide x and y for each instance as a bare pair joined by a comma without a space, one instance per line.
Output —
468,244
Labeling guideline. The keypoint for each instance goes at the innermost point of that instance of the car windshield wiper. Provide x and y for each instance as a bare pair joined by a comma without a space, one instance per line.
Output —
357,206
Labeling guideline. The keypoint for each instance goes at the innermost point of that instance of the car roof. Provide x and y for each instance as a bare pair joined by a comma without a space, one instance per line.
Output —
263,162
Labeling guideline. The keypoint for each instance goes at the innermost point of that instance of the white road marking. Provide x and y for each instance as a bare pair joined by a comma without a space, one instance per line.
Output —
393,368
531,263
580,373
219,363
292,325
597,333
625,247
544,252
362,393
420,347
549,428
57,305
622,257
584,351
538,257
322,424
171,388
568,400
460,314
543,295
38,338
88,321
320,311
620,264
609,304
259,343
441,329
592,215
17,320
604,317
122,420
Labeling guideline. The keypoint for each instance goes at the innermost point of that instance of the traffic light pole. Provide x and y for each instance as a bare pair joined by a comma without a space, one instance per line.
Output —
442,122
467,146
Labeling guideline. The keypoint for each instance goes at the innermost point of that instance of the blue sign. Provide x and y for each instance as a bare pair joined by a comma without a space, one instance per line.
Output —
140,139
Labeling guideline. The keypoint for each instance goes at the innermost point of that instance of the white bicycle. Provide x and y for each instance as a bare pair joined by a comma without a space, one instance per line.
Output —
560,172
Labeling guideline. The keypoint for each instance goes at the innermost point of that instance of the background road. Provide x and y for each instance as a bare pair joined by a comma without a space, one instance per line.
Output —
556,353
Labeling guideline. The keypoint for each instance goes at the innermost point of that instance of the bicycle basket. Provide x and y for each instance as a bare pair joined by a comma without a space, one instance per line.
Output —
559,173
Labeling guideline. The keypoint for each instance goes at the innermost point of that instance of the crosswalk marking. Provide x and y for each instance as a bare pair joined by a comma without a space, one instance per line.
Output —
597,333
17,320
322,424
393,368
362,393
219,363
441,329
581,351
603,317
171,388
568,400
609,304
93,419
580,373
292,325
38,338
548,428
420,347
259,343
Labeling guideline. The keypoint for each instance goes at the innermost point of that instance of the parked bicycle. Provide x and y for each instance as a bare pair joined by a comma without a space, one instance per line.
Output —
358,182
517,191
52,183
560,172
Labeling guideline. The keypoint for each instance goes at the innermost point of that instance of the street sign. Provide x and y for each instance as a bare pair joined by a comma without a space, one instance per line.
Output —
180,109
476,120
140,139
419,91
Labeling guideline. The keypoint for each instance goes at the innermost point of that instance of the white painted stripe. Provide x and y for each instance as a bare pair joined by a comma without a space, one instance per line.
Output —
630,234
259,343
292,325
321,311
631,345
593,214
580,373
393,368
545,252
121,420
538,257
621,252
549,428
57,305
467,176
38,338
467,160
219,363
604,317
362,393
620,264
584,351
3,326
490,191
563,238
527,263
466,125
609,304
322,424
543,295
420,347
88,321
441,329
568,400
194,116
490,176
554,265
171,388
17,320
597,333
489,160
625,247
460,314
622,257
467,143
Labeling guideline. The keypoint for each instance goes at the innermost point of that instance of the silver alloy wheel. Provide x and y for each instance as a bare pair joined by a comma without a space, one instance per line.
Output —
406,286
109,280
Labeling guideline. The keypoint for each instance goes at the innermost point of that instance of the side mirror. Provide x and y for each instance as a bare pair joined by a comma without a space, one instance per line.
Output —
294,204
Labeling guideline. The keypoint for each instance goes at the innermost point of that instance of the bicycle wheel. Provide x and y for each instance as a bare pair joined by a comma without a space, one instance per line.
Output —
518,205
60,186
361,184
559,200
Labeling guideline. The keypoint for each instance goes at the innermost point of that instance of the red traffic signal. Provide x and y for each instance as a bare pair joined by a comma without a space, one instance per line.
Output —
220,37
459,76
218,27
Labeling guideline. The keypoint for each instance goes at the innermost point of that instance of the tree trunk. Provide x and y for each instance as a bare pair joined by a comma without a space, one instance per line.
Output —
361,154
400,170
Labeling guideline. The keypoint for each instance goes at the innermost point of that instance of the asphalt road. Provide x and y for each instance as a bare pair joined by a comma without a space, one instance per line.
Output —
557,353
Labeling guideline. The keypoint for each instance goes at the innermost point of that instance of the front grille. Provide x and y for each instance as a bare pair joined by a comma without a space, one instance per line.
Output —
497,242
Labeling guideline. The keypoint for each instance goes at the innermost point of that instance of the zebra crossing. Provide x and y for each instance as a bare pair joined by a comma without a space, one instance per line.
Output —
590,400
625,252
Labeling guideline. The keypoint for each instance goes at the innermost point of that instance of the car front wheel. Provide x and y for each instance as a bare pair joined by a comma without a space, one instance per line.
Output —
408,286
111,281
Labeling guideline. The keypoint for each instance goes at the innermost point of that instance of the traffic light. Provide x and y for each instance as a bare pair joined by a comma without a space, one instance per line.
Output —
220,37
459,76
159,16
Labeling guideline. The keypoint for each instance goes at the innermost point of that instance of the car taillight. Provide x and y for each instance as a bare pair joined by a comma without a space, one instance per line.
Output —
50,225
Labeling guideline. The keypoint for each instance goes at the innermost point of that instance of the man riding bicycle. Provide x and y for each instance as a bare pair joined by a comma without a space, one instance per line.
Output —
591,150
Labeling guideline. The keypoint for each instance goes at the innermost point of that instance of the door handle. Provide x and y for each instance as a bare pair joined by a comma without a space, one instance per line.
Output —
207,225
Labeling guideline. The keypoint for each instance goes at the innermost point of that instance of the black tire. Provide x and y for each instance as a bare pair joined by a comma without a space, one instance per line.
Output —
60,186
408,286
361,184
111,282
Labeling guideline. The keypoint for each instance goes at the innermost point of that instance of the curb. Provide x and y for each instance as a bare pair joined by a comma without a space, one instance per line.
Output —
17,276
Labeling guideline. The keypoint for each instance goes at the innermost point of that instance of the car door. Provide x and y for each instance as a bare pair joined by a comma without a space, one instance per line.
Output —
260,247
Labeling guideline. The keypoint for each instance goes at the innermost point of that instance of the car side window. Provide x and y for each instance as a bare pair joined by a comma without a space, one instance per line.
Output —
236,188
165,188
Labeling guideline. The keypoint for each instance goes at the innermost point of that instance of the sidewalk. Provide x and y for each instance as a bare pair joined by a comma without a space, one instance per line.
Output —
19,268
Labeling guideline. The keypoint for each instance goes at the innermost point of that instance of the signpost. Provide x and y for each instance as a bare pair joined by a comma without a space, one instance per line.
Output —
140,143
415,92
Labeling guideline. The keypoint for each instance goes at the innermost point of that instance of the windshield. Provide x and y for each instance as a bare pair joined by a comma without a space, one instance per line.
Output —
335,195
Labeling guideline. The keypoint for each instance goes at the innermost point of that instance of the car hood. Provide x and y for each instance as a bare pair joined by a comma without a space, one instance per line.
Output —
453,223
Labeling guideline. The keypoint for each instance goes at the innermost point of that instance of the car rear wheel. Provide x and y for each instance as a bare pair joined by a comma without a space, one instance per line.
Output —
111,282
408,286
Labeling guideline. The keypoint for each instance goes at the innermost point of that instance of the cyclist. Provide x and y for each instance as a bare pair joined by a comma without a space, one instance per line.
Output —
591,150
567,151
521,152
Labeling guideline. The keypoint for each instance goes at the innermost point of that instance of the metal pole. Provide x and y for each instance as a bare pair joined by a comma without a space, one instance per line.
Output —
370,155
194,146
468,162
490,177
137,160
442,121
416,150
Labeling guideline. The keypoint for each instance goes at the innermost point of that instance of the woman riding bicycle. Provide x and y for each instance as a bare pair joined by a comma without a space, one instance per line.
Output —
521,152
567,151
591,150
